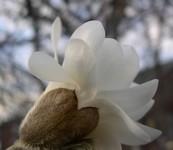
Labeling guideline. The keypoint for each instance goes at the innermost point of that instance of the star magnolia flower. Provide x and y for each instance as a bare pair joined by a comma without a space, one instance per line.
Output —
101,71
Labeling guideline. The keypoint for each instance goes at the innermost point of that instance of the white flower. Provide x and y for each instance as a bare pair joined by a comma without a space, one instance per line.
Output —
102,72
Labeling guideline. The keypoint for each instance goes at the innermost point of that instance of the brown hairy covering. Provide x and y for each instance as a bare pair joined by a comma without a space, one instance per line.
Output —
55,121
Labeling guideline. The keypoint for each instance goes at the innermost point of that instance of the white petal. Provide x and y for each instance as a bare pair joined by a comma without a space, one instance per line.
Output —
56,85
103,140
118,124
55,34
80,63
109,58
92,33
140,112
46,68
79,60
132,98
107,145
128,70
134,84
153,133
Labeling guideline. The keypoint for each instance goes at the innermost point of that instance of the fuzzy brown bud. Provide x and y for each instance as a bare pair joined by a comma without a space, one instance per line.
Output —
55,121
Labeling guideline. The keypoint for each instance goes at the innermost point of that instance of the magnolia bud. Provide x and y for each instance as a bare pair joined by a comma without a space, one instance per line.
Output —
55,122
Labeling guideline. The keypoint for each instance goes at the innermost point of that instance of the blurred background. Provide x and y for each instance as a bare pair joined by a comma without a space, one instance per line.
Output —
25,27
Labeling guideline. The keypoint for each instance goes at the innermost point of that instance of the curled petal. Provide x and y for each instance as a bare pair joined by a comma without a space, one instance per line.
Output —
153,133
55,34
140,112
128,70
116,121
46,68
92,33
132,98
109,59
